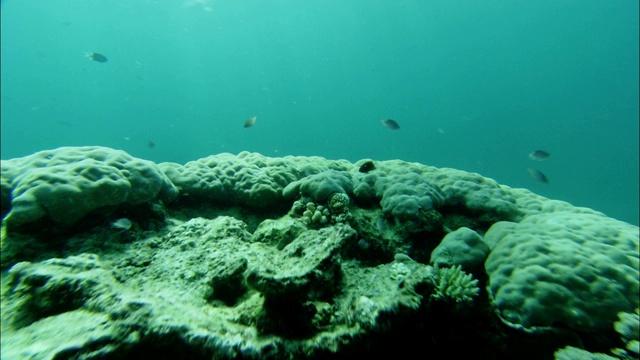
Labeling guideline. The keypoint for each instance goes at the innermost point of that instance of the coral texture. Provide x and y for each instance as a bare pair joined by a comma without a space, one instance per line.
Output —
453,284
463,247
300,257
67,183
577,269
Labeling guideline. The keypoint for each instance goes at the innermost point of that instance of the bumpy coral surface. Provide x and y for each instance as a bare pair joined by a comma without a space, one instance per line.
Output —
298,257
67,183
567,268
247,179
463,247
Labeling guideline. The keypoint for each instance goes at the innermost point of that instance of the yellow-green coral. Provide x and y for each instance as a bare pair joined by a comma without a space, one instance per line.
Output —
629,329
453,284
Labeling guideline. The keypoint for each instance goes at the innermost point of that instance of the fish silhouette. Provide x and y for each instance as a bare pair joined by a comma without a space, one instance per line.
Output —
390,124
97,57
539,155
250,122
538,176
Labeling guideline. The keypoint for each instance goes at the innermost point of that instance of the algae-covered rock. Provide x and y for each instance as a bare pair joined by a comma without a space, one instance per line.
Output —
308,267
278,233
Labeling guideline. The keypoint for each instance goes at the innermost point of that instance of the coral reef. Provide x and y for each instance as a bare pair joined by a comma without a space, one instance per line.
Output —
246,256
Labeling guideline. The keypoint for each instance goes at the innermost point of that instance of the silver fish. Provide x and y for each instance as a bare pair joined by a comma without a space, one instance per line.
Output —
538,176
539,155
122,224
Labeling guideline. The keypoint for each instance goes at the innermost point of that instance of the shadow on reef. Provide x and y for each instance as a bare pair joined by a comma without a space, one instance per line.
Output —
45,239
440,332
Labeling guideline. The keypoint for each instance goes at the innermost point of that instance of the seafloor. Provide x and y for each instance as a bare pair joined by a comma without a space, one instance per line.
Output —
107,256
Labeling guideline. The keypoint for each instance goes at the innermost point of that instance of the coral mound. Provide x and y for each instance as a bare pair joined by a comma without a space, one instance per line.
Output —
68,183
579,270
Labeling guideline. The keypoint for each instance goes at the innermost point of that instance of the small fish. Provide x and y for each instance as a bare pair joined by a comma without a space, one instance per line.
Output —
121,224
363,244
539,155
538,176
250,121
97,57
151,144
390,124
367,166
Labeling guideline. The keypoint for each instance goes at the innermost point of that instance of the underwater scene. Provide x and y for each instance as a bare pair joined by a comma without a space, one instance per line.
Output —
309,179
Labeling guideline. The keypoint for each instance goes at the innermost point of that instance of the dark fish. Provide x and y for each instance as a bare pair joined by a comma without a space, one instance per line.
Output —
97,57
539,155
538,176
151,144
363,244
367,166
390,124
250,121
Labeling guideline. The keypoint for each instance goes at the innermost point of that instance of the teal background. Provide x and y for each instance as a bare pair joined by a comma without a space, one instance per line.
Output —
474,85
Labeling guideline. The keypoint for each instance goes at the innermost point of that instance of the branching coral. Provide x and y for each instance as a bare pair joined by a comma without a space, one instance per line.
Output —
453,284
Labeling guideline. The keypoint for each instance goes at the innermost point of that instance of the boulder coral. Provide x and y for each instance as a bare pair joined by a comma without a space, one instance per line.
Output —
568,268
247,179
68,183
321,186
463,247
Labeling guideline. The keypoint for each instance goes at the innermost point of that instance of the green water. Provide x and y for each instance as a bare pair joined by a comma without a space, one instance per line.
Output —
474,85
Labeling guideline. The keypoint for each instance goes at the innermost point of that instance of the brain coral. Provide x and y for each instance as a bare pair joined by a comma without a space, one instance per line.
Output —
67,183
571,268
